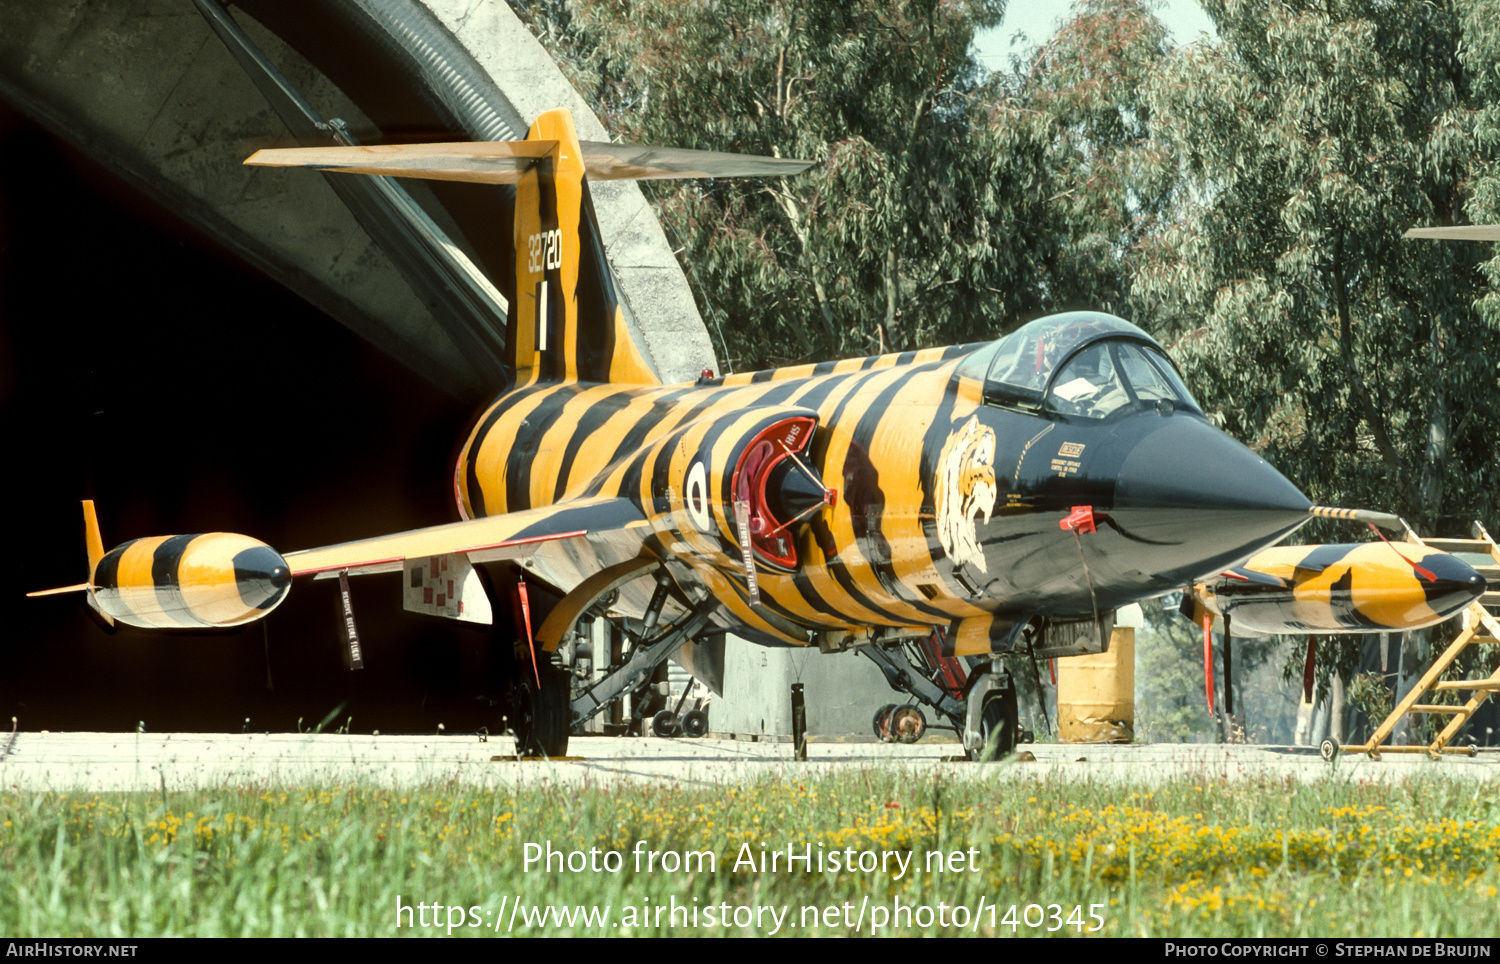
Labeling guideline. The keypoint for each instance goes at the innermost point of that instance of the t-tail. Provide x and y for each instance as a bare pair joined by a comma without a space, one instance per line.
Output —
565,322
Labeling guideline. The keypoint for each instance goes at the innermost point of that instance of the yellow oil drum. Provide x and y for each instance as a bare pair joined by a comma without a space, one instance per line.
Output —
1096,693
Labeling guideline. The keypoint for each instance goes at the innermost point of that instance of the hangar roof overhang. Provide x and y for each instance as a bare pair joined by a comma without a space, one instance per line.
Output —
145,88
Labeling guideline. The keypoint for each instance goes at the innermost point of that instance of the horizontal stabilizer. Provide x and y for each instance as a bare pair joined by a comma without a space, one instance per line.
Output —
1467,232
503,162
629,162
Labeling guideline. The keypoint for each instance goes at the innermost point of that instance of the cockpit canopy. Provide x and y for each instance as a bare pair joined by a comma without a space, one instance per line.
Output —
1082,364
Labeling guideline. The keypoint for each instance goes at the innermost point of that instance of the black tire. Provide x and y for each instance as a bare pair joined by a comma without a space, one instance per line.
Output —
881,723
1329,750
664,724
540,717
908,724
695,724
999,726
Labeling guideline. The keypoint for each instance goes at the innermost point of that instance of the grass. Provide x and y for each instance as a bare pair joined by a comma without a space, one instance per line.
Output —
1181,859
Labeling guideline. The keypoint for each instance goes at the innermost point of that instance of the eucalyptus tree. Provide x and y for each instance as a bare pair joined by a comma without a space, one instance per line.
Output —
929,218
1107,179
1309,137
1481,55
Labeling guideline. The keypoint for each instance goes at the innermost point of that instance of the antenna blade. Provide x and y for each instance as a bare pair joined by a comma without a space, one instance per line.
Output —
80,587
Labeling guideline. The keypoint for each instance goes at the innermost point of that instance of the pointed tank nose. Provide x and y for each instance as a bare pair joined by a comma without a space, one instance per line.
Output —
1454,583
1191,501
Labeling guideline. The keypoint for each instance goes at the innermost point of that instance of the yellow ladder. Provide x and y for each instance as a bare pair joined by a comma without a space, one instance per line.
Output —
1482,628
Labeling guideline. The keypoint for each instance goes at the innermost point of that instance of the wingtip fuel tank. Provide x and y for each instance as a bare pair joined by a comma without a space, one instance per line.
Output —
212,580
1341,588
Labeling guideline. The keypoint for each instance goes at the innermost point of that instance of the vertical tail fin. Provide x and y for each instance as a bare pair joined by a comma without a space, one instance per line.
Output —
565,319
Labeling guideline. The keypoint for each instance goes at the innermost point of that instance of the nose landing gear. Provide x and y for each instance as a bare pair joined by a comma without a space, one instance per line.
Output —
979,704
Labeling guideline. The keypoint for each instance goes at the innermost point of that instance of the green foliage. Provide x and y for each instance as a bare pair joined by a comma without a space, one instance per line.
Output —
948,205
1171,698
1481,56
1309,138
1371,695
1183,857
1170,703
940,208
1114,187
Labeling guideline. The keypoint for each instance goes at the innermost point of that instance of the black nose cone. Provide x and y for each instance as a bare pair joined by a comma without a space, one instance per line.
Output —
1454,583
1191,500
262,577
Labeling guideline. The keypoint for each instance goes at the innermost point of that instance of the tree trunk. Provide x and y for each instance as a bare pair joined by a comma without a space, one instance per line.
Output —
1336,709
1431,489
794,221
890,297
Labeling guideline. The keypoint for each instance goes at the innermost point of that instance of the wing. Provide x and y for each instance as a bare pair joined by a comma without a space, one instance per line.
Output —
514,535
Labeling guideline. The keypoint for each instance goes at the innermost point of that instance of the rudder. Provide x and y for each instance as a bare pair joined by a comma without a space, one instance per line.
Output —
565,320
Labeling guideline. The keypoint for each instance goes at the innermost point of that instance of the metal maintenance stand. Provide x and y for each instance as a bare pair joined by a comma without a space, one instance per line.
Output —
1481,627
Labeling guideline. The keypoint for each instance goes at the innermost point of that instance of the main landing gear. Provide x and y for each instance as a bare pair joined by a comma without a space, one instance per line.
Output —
540,712
978,702
547,705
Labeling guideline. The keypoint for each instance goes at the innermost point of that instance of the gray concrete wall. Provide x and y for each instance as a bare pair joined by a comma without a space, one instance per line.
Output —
145,88
842,692
659,303
148,91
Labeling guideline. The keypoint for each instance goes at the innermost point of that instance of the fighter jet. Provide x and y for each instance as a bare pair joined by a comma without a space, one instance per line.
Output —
1012,494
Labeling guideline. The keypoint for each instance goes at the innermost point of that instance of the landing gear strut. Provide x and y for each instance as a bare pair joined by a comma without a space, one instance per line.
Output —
980,705
545,712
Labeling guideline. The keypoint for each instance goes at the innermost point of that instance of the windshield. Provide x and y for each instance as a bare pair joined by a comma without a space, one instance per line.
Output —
1080,364
1112,375
1025,359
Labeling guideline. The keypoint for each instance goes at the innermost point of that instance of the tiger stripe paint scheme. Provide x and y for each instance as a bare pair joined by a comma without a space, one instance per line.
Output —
1058,473
1339,588
643,443
948,513
215,580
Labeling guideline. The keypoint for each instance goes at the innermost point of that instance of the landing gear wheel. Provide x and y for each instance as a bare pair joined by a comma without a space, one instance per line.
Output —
998,727
881,724
541,713
694,724
664,724
1328,750
908,724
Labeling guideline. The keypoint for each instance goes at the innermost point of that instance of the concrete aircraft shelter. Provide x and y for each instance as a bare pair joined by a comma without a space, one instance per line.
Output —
145,88
118,320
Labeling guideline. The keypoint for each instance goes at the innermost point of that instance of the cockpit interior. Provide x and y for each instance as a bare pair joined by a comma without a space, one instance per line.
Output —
1078,365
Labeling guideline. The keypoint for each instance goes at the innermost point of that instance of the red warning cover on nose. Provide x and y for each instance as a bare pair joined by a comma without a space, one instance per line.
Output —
1081,519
